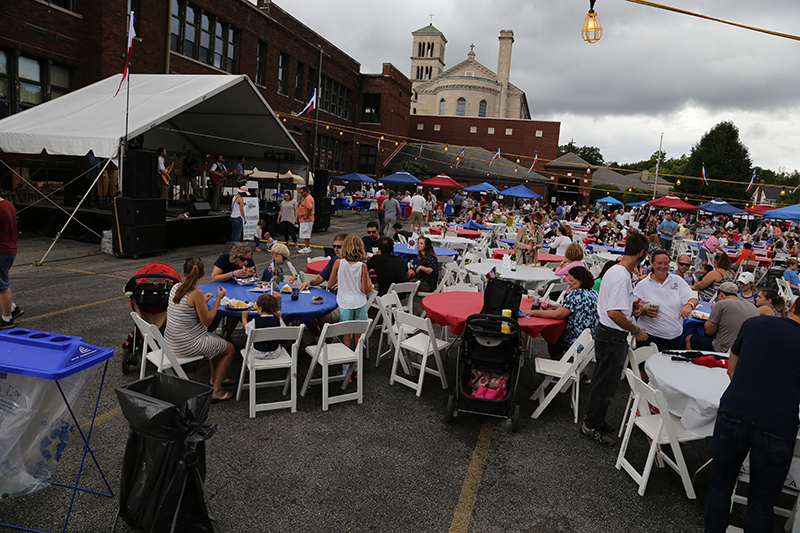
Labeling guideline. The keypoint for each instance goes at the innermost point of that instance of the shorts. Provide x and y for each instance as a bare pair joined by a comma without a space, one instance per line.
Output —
416,218
305,229
5,265
703,343
359,313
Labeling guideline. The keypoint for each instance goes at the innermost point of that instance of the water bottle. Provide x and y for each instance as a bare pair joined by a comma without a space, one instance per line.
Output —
295,289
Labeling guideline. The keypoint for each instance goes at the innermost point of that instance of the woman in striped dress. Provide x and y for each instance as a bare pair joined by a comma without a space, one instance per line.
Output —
188,318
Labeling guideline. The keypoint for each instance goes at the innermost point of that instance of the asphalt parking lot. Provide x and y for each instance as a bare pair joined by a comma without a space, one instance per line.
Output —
390,464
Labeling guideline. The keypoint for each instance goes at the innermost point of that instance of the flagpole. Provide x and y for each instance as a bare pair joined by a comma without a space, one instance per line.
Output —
316,117
658,161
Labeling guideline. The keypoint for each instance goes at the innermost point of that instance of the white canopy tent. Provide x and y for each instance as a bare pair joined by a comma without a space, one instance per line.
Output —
209,114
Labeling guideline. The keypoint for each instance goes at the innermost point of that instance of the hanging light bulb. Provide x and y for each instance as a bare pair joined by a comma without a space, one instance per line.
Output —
445,148
783,191
592,29
678,183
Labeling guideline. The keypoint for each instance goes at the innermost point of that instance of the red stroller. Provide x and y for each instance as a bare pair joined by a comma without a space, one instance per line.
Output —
148,291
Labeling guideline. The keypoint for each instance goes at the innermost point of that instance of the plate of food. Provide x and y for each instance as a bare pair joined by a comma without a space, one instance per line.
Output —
246,281
700,315
318,299
238,305
286,289
261,286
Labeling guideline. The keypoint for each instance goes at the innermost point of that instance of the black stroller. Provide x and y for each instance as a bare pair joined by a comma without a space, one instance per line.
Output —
487,369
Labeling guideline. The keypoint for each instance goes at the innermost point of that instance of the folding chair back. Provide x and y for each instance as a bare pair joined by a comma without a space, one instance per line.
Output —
156,350
635,358
748,266
423,343
406,291
461,288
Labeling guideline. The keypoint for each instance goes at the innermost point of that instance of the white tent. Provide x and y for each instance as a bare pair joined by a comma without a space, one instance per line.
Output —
209,114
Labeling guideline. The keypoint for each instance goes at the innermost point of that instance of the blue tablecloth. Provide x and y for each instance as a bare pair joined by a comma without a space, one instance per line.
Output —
361,205
510,242
340,203
402,250
448,209
612,249
301,310
695,326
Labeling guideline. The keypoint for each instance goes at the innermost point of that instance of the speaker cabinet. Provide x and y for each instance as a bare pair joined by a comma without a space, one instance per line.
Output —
198,209
137,240
140,172
322,213
140,211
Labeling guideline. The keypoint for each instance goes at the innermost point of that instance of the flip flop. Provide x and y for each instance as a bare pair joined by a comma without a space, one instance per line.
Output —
227,382
225,398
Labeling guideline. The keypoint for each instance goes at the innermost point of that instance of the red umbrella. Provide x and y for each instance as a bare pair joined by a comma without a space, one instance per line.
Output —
671,201
442,181
759,209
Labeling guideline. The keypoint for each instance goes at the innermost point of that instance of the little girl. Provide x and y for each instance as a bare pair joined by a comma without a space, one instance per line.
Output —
351,274
262,235
280,254
269,316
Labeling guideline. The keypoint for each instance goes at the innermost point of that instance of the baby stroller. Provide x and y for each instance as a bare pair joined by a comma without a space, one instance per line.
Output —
148,291
487,369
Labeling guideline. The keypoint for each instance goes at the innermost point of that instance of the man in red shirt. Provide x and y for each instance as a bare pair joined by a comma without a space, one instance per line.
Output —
381,213
305,215
8,251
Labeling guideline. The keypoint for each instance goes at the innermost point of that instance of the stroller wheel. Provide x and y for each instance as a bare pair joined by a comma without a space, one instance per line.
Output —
126,365
515,418
452,411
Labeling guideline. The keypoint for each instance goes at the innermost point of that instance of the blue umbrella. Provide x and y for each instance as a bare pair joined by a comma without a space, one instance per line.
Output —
636,204
785,213
609,200
520,191
400,178
354,177
482,187
721,207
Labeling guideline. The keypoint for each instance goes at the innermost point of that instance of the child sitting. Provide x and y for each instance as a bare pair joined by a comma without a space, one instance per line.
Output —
280,254
268,317
705,269
262,235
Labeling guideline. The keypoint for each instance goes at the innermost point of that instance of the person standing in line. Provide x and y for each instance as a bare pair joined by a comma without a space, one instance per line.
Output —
305,215
617,307
417,209
757,415
389,208
458,201
238,218
8,252
287,218
381,213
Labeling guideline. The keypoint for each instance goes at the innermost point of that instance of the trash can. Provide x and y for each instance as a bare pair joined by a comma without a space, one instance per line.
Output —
164,466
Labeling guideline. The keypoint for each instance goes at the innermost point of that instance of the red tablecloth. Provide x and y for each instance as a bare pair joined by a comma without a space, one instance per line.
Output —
435,231
468,233
453,308
589,240
762,261
315,267
543,258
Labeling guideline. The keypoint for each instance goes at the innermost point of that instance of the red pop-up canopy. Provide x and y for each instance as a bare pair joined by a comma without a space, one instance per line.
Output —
760,209
671,201
442,180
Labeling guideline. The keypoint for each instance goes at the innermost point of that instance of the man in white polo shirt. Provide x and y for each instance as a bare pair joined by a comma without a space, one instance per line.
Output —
616,306
417,209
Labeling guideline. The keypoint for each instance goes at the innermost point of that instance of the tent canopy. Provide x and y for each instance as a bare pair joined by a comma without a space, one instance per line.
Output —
636,204
791,212
442,180
354,177
609,200
719,206
209,114
671,201
520,191
285,177
400,178
760,209
482,187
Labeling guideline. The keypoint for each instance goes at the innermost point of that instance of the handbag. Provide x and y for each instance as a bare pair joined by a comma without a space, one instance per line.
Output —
501,294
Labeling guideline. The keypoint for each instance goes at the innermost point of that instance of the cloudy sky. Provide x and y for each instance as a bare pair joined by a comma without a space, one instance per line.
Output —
653,71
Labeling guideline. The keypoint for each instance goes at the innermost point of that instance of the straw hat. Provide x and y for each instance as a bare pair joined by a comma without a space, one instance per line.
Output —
243,190
282,249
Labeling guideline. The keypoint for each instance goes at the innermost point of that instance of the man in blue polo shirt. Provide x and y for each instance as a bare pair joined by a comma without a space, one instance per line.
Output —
758,414
666,231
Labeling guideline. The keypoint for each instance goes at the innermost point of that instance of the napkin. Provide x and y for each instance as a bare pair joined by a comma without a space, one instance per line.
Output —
711,362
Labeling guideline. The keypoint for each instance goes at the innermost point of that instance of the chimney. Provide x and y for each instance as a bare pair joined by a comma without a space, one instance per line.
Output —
504,68
645,176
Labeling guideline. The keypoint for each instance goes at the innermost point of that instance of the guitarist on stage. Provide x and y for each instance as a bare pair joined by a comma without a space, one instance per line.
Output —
218,171
163,175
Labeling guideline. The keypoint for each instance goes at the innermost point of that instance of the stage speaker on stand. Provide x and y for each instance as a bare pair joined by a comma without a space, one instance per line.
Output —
198,209
322,202
140,226
140,172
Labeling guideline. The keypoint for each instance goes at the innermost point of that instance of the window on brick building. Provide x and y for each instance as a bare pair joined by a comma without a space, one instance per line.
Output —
299,90
175,37
283,72
60,81
261,61
461,107
331,154
231,51
189,36
219,44
26,82
31,91
205,38
367,158
312,83
482,108
335,98
66,4
371,108
441,106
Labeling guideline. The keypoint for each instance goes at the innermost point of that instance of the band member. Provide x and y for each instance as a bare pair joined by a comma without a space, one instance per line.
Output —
241,178
163,175
218,171
189,171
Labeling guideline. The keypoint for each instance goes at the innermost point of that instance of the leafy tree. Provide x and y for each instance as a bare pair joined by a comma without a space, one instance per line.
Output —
635,194
590,154
415,168
600,191
725,158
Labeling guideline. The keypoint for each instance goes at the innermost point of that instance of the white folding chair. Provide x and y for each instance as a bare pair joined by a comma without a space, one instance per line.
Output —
423,343
402,239
156,350
662,428
563,374
389,303
635,358
284,361
291,268
326,354
552,287
461,288
313,259
406,291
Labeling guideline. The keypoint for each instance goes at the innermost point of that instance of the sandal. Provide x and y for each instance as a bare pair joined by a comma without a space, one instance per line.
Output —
227,382
227,396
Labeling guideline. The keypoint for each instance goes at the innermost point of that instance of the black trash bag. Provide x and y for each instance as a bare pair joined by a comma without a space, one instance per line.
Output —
501,294
164,467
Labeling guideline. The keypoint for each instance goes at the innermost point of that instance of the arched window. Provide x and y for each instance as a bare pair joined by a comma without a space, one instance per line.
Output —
482,108
461,107
441,106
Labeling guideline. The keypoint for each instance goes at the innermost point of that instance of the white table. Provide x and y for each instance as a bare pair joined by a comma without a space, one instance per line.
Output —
607,256
525,274
450,240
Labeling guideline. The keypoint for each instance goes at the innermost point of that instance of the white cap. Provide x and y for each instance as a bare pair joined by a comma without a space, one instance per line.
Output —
746,277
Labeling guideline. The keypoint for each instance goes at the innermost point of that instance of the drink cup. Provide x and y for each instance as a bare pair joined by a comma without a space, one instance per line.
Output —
655,305
531,294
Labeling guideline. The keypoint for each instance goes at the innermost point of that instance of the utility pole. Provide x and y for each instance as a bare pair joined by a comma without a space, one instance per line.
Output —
658,161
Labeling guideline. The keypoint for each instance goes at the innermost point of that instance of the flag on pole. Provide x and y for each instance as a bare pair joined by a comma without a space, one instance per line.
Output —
705,177
494,157
420,149
131,35
752,180
379,146
310,106
458,159
535,159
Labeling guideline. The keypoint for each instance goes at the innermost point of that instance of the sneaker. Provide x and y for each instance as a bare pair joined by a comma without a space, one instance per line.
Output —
608,428
5,324
595,435
17,312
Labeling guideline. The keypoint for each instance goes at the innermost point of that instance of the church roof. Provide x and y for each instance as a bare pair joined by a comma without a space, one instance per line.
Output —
570,160
468,64
430,29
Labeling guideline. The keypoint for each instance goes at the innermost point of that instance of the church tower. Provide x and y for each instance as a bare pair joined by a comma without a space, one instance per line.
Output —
427,55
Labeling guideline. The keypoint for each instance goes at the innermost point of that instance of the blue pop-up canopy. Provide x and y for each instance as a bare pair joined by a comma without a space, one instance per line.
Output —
721,207
785,213
400,178
636,204
520,191
609,200
354,177
482,187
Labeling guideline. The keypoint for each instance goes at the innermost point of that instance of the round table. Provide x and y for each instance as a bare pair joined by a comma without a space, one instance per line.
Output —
301,310
315,267
453,308
449,239
403,250
762,261
606,256
543,258
509,242
464,233
535,275
611,249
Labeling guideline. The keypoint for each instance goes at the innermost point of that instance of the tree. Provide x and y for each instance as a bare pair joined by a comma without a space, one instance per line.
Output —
600,191
590,154
725,158
635,194
415,168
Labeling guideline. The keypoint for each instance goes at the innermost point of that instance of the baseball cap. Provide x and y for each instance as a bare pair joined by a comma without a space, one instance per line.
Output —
746,277
729,288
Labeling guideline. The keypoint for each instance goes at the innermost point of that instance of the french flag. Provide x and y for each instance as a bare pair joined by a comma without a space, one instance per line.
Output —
494,157
535,159
753,179
310,106
131,35
705,177
458,159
